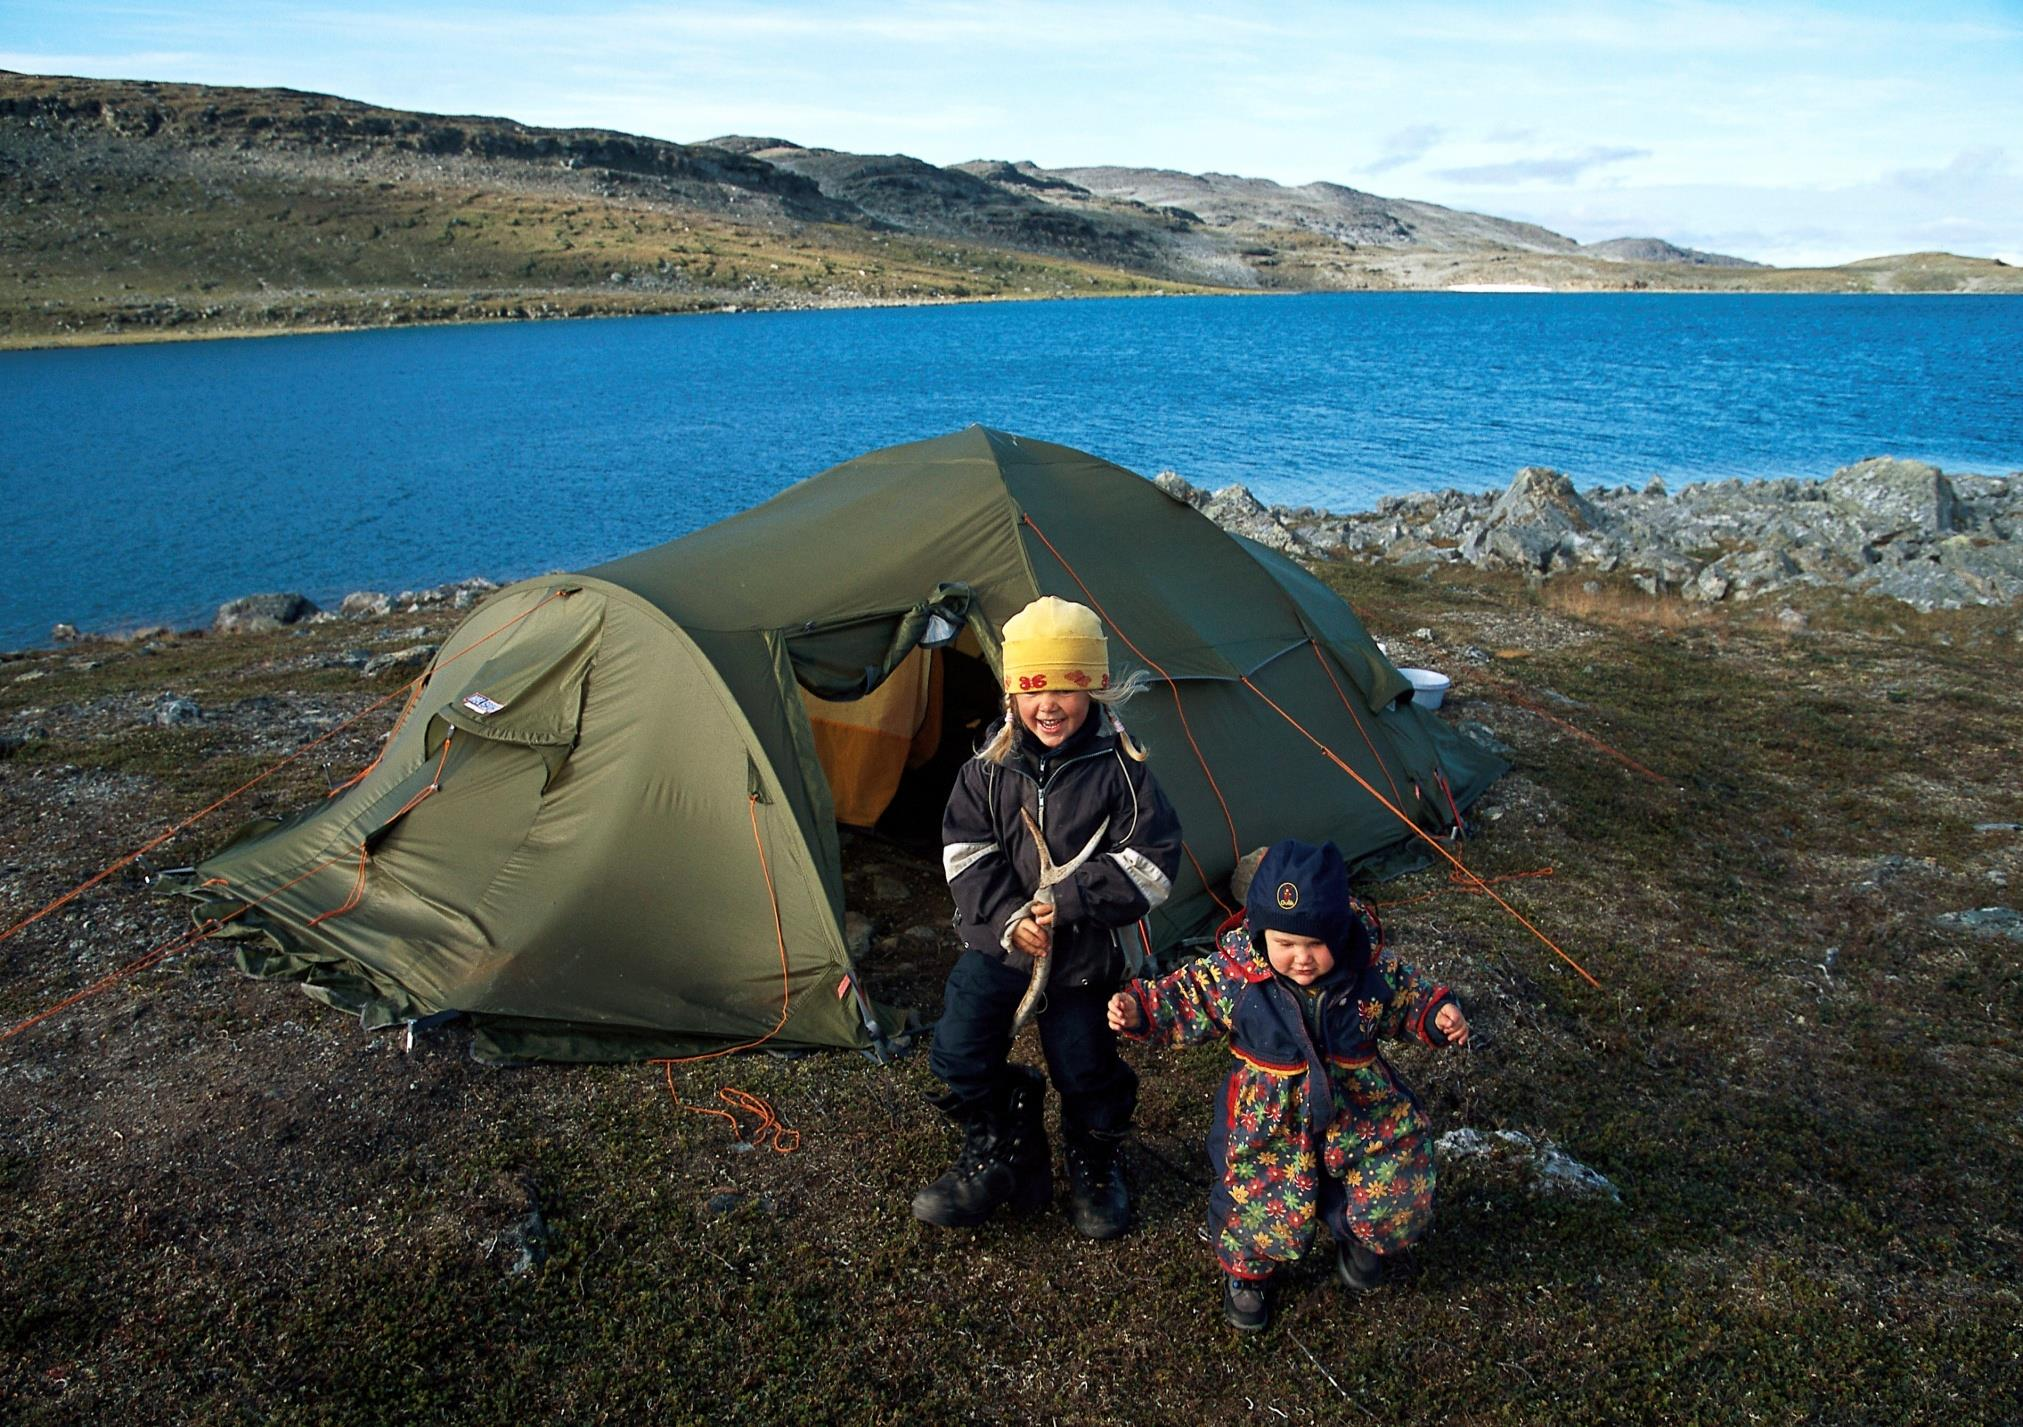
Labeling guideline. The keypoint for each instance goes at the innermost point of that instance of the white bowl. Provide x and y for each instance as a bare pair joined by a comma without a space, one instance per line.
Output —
1428,688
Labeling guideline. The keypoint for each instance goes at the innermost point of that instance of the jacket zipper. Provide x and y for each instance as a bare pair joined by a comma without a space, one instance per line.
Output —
1314,1057
1040,785
1040,789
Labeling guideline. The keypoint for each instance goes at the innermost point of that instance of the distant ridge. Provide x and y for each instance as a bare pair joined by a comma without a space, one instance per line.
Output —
134,209
1343,214
1657,250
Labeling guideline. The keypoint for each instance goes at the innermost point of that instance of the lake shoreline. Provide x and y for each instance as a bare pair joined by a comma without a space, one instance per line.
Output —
157,335
1895,529
150,335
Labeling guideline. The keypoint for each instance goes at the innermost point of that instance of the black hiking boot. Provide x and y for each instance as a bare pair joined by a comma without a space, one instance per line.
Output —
1003,1160
970,1191
1096,1196
1359,1268
1021,1112
1246,1303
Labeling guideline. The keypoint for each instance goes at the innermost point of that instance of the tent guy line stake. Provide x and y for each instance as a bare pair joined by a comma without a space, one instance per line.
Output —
415,685
1475,881
196,817
202,932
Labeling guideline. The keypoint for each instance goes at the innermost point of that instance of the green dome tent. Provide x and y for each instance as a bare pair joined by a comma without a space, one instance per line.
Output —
605,828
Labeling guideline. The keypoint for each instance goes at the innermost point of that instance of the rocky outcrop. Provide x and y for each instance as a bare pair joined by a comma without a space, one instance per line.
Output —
365,604
1888,497
1898,528
254,613
1657,250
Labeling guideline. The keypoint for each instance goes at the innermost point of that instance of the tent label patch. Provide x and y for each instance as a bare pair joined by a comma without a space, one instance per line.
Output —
479,704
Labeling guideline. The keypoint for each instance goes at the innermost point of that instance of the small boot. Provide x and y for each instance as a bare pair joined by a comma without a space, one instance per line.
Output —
1096,1195
971,1190
1022,1137
1003,1160
1246,1303
1360,1269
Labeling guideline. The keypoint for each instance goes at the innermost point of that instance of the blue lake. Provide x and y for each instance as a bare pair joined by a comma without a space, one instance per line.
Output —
148,484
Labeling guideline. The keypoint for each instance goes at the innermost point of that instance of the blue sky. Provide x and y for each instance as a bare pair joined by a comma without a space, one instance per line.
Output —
1786,132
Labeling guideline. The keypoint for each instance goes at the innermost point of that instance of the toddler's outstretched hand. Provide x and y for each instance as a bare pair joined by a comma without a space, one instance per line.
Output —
1452,1024
1123,1013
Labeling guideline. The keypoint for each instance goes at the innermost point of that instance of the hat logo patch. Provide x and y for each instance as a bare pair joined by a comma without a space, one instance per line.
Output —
1288,896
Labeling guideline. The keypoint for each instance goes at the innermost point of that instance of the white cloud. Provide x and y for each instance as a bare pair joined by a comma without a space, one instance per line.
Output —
1970,170
1972,206
1558,168
1407,145
133,64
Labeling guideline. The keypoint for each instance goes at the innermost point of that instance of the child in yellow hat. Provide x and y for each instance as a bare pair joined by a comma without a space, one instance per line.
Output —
1062,756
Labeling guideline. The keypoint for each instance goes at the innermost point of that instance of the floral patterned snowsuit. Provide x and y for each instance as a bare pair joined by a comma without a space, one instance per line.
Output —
1306,1127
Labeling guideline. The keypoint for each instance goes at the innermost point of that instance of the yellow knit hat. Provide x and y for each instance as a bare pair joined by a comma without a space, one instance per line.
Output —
1054,644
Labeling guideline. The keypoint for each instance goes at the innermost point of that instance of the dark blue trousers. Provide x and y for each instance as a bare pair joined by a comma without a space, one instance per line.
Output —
972,1043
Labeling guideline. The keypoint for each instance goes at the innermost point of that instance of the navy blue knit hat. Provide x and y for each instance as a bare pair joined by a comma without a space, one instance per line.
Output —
1303,890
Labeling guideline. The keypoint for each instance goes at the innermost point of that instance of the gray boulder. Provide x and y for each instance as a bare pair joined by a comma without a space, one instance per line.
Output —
1539,519
1178,487
415,656
1601,552
1527,547
257,613
1661,573
1234,508
1994,567
1952,573
1925,585
1986,921
1892,497
1742,575
1826,563
174,711
1408,551
1542,496
364,604
1992,504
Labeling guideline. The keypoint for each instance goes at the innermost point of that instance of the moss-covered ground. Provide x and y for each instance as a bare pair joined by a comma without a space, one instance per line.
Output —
221,1202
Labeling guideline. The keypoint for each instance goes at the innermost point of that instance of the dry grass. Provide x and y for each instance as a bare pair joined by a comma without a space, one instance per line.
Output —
1620,606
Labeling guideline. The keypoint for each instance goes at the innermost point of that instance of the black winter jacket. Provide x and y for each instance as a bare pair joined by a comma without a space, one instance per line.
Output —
993,869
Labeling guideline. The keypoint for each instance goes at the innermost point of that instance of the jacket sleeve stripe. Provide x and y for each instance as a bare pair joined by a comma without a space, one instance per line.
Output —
958,857
1152,884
